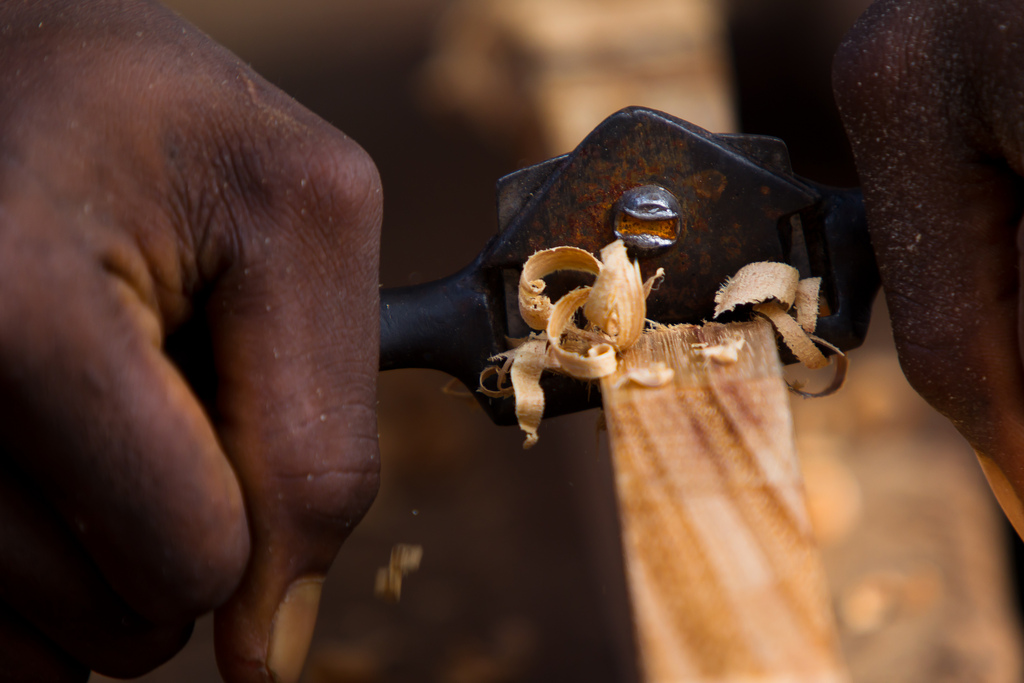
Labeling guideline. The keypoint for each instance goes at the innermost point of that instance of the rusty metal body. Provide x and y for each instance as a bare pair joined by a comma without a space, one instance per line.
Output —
699,205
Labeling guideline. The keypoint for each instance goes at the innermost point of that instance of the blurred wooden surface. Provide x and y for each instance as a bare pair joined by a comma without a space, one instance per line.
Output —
915,548
542,73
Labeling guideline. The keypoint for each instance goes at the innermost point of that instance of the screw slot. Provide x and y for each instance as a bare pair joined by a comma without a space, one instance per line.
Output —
648,219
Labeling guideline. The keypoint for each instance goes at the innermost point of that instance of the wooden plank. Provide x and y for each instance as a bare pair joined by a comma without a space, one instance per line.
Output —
725,578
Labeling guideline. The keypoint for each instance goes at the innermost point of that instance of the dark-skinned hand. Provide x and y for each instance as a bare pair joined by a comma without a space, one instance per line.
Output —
932,96
151,183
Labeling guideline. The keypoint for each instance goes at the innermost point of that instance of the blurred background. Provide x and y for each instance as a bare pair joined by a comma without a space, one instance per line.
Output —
521,578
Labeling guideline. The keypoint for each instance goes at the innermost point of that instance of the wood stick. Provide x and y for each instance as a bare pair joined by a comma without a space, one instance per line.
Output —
724,575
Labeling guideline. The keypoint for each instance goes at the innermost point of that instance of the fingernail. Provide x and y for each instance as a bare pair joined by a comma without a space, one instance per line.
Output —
1004,492
292,630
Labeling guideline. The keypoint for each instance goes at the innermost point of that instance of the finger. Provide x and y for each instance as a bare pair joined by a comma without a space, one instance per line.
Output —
27,656
928,93
295,329
48,579
96,415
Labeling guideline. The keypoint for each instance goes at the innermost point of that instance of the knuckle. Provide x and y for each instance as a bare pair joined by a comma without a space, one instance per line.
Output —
343,195
349,179
246,176
319,191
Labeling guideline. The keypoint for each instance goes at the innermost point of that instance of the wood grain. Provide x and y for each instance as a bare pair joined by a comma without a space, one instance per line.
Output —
724,574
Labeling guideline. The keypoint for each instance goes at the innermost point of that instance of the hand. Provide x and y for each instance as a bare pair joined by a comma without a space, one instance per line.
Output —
157,194
932,96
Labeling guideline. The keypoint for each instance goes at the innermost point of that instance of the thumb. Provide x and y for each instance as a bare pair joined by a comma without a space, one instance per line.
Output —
294,323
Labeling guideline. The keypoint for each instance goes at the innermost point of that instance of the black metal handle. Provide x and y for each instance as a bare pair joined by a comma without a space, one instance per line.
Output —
849,264
444,325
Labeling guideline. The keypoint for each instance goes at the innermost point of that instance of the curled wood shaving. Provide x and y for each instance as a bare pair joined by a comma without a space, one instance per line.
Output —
528,365
758,282
798,341
501,372
839,376
405,559
615,308
652,283
534,306
594,362
617,304
774,289
808,292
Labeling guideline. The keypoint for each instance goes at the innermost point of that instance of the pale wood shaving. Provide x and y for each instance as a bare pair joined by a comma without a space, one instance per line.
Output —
723,354
534,306
806,304
560,319
774,289
651,283
653,376
405,559
528,365
617,304
793,335
758,282
502,391
614,306
842,365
